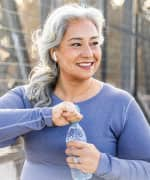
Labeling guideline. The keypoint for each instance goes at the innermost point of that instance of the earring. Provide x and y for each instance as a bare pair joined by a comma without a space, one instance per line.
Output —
54,57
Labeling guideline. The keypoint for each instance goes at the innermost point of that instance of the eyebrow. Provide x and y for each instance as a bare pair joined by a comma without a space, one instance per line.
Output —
80,38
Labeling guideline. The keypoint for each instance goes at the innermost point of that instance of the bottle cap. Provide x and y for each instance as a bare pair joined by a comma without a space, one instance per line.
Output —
77,107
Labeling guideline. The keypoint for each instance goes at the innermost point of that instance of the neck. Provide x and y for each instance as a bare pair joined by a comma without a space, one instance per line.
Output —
73,90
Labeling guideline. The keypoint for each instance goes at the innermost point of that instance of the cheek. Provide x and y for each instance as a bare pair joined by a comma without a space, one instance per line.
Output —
98,55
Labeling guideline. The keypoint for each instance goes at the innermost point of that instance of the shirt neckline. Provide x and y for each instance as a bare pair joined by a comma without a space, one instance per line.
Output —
55,97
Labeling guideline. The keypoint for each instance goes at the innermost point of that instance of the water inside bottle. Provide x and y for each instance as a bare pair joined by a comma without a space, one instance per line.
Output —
78,175
76,132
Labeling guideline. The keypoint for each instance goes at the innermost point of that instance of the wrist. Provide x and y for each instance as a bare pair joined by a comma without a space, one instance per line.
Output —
104,165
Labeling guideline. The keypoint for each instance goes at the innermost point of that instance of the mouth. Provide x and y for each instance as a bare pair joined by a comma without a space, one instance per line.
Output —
85,65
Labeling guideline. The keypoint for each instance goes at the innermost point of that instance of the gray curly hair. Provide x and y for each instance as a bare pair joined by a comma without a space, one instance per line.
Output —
43,77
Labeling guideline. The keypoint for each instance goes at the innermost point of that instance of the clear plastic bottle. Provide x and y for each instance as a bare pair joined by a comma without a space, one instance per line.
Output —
76,132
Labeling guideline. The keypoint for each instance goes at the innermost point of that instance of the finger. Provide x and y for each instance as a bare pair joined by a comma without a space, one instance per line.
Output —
73,160
76,117
72,108
76,144
73,113
69,115
72,118
56,114
61,121
69,160
69,106
75,165
72,163
73,152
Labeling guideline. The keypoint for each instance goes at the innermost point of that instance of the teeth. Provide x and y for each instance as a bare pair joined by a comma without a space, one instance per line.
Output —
85,64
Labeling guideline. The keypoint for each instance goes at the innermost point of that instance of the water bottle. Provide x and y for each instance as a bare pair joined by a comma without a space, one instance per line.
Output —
76,132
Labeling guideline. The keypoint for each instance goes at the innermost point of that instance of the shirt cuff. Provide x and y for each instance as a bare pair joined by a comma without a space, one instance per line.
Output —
104,165
47,116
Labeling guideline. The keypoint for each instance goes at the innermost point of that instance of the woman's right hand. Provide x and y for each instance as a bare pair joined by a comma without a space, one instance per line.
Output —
65,113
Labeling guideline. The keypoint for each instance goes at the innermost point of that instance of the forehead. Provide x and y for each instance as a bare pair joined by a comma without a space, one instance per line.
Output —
80,28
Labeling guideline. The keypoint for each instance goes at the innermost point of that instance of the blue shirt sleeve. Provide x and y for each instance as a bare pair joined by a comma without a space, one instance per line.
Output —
133,158
17,120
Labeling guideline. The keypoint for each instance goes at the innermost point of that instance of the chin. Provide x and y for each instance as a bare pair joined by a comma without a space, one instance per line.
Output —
86,77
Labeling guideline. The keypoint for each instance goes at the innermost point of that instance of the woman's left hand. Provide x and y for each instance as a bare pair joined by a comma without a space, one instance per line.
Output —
87,155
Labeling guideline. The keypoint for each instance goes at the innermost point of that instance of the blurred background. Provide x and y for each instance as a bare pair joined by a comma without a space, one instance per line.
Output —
125,62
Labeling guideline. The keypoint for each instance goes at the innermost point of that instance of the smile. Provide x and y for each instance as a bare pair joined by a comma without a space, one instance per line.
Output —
85,65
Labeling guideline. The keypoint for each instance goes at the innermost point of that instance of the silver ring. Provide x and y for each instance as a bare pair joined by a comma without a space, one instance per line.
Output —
76,160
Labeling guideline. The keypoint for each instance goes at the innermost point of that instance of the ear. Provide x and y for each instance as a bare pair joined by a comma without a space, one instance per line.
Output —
53,54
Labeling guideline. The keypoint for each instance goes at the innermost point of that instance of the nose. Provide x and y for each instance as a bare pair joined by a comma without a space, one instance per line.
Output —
87,51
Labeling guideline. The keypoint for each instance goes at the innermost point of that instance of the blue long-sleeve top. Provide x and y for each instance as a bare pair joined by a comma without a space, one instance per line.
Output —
112,121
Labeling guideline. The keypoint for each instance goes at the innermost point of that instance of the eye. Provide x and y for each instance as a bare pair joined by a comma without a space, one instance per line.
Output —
76,44
95,43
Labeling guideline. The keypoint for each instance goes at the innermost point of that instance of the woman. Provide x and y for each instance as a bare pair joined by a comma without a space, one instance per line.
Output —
118,135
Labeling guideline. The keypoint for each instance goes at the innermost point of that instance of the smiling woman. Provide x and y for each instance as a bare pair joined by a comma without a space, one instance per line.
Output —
118,134
82,42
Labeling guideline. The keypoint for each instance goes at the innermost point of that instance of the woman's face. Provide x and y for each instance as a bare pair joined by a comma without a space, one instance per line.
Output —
79,53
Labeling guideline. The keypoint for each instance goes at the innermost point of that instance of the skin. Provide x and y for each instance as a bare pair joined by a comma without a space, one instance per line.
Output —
65,113
88,154
80,44
78,57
